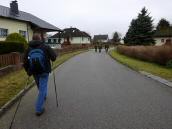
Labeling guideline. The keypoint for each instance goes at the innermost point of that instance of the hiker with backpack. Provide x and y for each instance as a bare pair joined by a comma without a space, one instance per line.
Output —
95,47
106,47
100,48
37,63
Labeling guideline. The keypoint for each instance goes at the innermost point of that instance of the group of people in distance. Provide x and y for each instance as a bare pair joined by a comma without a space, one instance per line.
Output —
98,47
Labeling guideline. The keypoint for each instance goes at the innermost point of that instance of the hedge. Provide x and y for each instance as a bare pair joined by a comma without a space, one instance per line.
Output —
7,47
158,54
15,37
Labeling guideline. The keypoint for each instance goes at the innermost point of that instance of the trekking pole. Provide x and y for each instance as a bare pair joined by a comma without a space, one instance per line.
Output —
55,87
18,105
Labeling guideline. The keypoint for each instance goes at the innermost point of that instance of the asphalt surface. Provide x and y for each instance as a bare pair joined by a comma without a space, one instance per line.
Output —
96,92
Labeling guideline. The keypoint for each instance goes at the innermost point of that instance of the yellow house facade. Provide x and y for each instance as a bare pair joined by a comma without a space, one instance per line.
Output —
14,26
12,20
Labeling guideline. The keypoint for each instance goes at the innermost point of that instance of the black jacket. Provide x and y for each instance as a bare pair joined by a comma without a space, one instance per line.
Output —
49,52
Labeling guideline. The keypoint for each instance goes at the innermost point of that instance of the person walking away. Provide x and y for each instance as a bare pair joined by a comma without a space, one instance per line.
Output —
37,63
100,48
106,47
95,46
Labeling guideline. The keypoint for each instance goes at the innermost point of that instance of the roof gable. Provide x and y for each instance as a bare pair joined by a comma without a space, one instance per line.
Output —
27,17
100,37
71,32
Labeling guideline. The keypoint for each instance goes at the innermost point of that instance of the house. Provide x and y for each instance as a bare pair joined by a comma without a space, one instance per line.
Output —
12,20
163,36
54,45
70,36
101,38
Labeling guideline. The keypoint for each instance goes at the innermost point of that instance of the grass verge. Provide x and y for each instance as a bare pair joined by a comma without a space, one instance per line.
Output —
14,82
140,65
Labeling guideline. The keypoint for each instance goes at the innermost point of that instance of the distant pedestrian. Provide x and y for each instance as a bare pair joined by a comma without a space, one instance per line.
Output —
100,48
106,47
95,47
37,63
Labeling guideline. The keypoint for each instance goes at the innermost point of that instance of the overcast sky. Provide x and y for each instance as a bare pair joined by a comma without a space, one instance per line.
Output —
94,16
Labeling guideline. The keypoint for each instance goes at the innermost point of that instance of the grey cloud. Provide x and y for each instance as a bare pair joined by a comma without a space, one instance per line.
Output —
94,16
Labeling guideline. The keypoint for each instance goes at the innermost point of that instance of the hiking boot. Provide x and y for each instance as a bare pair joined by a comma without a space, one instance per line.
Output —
40,113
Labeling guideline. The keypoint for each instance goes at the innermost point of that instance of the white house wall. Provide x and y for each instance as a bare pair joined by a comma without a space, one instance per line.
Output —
52,40
103,41
14,26
80,40
74,40
159,42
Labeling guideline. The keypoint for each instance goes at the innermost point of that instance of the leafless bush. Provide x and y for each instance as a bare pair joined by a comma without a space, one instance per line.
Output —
157,54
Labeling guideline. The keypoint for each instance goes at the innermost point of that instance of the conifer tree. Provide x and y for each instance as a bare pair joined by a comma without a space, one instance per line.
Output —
163,24
116,37
140,31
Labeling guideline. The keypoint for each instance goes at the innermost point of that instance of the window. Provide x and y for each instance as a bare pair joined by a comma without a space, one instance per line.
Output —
54,40
49,40
162,40
3,32
23,33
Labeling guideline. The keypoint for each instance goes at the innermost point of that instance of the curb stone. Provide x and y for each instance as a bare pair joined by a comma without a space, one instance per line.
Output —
157,78
10,103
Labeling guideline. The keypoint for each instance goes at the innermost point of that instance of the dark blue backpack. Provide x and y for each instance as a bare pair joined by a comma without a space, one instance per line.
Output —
37,61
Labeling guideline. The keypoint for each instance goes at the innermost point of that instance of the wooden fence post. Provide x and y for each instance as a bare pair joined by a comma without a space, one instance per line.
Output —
16,59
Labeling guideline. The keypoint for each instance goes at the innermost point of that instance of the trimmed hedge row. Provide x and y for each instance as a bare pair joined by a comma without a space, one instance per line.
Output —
7,47
15,37
158,54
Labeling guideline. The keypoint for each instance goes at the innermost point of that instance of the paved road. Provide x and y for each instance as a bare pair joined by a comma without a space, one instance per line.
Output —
96,92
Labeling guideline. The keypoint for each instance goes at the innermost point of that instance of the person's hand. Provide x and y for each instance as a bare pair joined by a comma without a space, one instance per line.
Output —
29,73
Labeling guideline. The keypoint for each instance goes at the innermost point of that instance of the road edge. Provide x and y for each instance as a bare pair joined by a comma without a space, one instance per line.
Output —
146,74
11,102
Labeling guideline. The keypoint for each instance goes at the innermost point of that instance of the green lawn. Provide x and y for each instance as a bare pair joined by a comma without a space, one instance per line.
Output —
139,65
13,83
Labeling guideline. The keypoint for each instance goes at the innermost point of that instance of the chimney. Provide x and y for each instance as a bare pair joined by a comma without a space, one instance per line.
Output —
14,8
